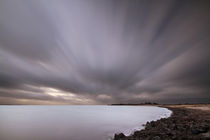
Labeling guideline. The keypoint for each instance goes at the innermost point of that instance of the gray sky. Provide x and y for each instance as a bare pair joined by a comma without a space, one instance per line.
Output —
104,51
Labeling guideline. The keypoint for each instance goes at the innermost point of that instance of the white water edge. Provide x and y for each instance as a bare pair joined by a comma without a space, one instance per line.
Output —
138,128
74,122
128,132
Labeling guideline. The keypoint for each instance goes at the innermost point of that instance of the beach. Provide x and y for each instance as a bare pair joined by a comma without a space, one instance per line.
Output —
187,122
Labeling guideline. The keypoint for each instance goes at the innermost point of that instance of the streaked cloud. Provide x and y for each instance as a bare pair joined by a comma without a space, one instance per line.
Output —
101,52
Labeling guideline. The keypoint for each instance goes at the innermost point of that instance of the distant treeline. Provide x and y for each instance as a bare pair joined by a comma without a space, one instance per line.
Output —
145,103
153,103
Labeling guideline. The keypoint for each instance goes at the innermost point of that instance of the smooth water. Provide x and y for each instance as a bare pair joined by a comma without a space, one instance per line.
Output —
74,122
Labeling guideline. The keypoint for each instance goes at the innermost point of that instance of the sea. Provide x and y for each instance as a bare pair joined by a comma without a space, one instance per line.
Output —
74,122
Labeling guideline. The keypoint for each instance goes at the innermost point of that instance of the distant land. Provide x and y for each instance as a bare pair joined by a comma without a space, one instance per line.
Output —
154,103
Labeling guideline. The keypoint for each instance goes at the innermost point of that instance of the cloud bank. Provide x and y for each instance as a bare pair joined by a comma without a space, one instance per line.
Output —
101,52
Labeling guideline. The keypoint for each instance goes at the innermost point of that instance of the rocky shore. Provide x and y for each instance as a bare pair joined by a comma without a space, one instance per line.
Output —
184,124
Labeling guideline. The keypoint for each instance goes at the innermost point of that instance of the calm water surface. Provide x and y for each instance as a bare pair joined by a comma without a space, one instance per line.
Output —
74,122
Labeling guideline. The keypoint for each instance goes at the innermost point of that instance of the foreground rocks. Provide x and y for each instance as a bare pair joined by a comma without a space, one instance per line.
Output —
184,124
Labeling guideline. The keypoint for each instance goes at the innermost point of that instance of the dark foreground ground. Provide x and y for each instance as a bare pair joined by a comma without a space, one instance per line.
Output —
184,124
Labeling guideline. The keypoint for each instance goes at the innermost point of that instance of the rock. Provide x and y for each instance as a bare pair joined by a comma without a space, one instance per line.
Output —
203,130
184,124
195,131
156,138
207,135
198,130
119,136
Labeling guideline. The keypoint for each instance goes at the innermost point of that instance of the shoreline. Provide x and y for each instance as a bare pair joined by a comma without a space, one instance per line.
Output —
186,122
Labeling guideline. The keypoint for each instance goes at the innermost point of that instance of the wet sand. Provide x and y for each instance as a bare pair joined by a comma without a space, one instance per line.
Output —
188,122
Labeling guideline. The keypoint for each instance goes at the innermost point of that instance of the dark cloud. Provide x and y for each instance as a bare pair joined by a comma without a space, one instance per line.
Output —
7,81
99,52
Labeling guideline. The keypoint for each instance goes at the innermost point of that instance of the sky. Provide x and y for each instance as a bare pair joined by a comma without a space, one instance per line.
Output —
104,51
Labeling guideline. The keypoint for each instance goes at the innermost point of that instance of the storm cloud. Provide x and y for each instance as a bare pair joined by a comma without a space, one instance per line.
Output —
102,52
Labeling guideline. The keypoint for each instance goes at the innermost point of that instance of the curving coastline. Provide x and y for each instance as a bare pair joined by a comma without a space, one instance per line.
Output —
185,123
